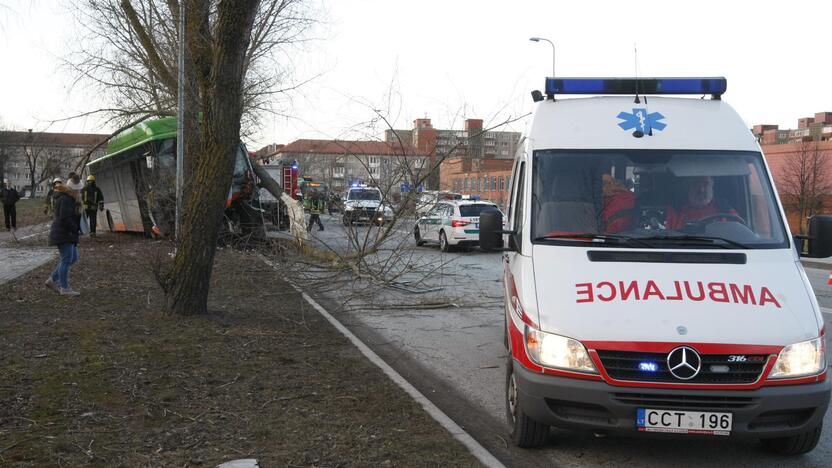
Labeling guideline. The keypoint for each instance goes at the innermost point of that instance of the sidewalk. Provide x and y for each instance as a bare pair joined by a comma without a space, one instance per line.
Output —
22,233
16,261
819,263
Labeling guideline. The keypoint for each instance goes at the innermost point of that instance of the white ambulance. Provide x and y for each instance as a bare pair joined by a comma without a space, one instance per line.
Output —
651,282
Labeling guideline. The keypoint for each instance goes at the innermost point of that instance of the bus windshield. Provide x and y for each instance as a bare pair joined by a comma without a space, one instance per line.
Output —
654,198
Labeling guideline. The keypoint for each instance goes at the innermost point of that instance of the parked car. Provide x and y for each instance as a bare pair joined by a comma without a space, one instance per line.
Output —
451,224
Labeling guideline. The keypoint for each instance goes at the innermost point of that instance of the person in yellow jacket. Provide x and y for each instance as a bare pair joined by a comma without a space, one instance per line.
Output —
315,209
92,199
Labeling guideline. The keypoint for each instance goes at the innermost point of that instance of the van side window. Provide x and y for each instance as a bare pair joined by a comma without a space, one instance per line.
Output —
518,198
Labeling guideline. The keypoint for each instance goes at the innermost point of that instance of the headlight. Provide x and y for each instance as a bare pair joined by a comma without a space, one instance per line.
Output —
348,207
558,351
804,358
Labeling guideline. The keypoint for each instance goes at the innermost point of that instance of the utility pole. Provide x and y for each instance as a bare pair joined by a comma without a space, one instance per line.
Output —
180,122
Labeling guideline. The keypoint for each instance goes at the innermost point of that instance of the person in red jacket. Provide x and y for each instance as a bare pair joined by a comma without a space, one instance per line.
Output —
619,205
700,204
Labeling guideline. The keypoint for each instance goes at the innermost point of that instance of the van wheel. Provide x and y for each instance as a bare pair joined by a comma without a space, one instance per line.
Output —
418,236
525,431
796,444
443,242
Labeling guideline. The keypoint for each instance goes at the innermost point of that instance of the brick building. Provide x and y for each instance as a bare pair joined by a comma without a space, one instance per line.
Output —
488,178
54,155
781,159
817,128
472,142
784,148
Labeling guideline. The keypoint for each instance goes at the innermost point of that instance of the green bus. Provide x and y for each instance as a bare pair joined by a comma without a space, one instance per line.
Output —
137,175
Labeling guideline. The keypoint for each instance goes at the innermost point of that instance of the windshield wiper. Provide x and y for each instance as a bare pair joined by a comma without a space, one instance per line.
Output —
592,237
711,239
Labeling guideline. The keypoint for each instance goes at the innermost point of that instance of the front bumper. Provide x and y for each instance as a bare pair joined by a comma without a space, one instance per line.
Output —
569,403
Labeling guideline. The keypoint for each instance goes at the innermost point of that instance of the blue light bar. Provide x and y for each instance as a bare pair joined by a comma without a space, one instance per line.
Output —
714,86
648,366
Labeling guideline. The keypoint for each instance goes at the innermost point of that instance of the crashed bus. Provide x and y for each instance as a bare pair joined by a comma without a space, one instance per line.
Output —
138,175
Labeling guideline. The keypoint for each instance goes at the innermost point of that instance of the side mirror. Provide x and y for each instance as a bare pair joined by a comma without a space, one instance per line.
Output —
491,229
820,236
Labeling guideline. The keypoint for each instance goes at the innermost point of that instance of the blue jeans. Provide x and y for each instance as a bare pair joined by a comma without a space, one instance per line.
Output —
69,255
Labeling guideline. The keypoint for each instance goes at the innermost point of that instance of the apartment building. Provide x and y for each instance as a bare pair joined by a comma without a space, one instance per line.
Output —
817,128
341,163
51,154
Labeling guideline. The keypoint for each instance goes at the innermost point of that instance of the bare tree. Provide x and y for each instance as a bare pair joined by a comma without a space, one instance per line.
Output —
43,163
806,181
127,54
4,152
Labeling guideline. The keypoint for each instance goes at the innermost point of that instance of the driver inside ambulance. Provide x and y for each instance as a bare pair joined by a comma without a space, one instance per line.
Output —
700,204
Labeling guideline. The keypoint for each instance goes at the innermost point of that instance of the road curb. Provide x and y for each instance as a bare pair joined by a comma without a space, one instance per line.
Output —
478,451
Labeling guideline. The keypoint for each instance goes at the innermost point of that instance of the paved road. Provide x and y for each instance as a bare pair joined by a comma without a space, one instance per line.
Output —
455,353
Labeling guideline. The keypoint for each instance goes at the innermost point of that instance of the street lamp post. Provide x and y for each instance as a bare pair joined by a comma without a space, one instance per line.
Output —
538,39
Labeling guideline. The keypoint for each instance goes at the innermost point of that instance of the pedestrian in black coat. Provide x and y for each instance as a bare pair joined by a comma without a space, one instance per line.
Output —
64,235
9,196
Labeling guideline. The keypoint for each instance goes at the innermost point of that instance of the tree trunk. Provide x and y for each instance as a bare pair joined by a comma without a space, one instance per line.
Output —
188,282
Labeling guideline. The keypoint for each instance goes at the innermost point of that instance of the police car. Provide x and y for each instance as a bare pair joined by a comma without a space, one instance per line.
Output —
451,224
651,281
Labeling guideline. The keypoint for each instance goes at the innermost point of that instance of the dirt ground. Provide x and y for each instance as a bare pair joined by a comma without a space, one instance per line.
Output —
108,379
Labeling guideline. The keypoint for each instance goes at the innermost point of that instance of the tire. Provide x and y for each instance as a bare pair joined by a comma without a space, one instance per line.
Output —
346,221
418,236
443,242
796,444
524,431
110,223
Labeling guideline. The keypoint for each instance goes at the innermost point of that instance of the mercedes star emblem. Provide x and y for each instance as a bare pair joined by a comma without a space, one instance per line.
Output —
684,363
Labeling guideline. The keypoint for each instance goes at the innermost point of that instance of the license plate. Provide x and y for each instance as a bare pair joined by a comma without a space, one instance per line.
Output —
683,422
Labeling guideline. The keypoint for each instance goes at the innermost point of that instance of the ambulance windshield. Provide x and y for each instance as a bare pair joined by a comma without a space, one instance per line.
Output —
654,198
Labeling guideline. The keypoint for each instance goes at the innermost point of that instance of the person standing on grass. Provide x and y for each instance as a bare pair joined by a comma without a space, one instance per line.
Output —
92,199
64,235
73,182
49,202
9,196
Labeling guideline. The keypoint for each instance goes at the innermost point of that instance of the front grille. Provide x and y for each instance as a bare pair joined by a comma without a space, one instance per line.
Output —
697,402
364,212
715,369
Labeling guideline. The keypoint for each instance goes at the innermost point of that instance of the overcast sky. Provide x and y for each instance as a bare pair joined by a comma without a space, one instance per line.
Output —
456,59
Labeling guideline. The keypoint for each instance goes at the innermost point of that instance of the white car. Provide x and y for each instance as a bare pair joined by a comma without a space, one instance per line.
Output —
451,223
364,205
